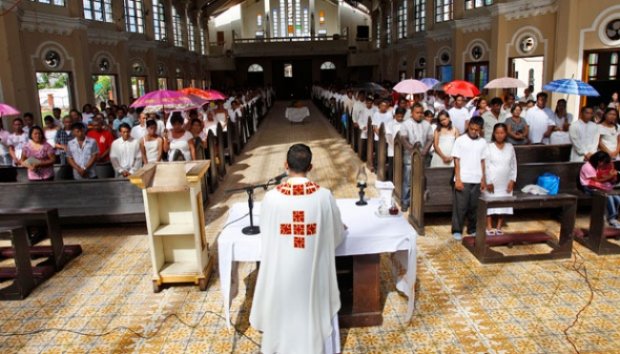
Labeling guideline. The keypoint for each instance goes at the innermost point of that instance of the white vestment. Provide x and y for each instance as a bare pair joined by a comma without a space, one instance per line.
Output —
296,296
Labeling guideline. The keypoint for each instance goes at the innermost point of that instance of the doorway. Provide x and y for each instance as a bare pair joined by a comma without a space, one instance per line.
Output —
256,75
601,71
104,88
292,79
138,86
54,90
528,70
162,83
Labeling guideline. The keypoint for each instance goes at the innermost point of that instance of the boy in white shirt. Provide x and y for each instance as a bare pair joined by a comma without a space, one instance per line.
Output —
364,115
469,152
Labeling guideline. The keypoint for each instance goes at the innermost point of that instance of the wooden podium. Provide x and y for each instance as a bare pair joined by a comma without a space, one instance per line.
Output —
172,193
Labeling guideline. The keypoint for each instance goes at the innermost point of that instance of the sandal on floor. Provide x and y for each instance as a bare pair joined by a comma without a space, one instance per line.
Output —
491,232
499,232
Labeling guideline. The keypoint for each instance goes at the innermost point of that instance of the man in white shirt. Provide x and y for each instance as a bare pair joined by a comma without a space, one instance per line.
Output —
527,95
459,114
391,129
139,131
509,102
584,135
362,121
492,117
469,152
413,131
540,120
125,153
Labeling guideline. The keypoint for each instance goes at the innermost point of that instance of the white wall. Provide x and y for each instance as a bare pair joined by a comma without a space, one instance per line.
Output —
227,22
351,18
522,69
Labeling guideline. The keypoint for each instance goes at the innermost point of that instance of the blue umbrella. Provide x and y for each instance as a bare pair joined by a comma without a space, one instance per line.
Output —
571,87
429,82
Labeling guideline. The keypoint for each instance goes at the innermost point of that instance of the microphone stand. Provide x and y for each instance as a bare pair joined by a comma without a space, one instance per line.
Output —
253,229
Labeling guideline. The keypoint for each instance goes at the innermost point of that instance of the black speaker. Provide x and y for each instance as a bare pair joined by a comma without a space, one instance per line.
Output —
362,33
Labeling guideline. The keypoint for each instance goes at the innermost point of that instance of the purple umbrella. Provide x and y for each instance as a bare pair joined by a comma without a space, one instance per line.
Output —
430,82
167,99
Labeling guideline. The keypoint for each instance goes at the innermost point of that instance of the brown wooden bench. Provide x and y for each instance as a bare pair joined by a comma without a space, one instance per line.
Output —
22,274
481,245
596,237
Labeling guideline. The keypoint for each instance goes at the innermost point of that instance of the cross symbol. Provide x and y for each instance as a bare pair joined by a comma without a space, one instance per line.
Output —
298,229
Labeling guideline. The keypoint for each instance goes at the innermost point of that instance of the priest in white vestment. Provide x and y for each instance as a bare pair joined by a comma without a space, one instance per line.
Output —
296,301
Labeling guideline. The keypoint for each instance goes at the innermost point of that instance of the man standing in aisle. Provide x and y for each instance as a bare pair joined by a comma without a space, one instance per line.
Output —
296,301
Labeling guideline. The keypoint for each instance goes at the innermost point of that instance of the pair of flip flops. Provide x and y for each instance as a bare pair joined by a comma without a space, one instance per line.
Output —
495,232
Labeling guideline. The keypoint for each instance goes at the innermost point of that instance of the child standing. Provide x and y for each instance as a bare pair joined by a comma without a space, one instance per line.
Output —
501,174
469,153
445,136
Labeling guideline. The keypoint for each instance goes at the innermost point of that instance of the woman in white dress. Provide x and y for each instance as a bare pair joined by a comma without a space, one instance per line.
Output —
445,135
562,120
610,134
151,145
501,175
178,139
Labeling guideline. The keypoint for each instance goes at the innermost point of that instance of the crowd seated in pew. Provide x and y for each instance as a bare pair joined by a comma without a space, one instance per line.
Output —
67,183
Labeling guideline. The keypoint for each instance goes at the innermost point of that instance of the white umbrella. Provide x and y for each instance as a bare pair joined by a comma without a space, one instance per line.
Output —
505,82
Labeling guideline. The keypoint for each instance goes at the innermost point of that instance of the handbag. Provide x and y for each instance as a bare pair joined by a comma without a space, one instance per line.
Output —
550,182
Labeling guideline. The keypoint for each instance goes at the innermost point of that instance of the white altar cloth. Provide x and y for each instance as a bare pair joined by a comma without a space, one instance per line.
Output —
367,234
296,115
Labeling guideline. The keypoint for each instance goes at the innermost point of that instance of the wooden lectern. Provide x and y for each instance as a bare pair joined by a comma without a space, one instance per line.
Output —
175,220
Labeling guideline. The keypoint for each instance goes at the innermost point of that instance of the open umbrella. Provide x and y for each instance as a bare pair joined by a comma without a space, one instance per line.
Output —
505,82
168,100
209,95
460,87
430,82
6,110
439,86
373,88
410,87
571,87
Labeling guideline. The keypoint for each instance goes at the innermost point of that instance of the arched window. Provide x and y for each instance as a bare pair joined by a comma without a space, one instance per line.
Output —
328,65
255,68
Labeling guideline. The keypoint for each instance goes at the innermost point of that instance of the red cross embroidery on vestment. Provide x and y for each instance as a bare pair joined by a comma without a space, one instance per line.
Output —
297,189
299,229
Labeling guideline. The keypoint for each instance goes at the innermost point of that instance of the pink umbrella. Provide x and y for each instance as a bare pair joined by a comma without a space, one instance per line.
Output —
214,95
505,82
6,110
167,99
410,86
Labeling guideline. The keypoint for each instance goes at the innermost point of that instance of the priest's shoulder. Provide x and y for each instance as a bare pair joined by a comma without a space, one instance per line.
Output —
308,188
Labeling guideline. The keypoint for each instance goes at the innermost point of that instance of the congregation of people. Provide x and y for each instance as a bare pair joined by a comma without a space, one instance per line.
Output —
116,135
476,137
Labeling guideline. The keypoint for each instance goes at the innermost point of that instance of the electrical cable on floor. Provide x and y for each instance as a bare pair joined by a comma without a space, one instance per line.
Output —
132,331
583,272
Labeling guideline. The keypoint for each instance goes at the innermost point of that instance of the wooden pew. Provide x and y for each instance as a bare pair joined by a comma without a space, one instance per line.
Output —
597,235
382,157
213,156
542,153
22,274
221,150
480,246
370,147
230,129
350,131
398,168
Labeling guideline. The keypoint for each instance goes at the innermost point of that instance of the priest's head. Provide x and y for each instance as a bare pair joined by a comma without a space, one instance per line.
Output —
298,160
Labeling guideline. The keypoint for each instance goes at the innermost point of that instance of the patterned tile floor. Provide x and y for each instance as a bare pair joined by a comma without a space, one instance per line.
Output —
461,306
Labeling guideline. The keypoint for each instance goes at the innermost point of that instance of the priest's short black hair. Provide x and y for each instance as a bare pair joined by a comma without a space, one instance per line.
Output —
299,158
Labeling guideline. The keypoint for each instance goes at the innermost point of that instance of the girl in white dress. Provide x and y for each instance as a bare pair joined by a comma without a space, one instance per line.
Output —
151,145
445,135
610,134
501,175
179,139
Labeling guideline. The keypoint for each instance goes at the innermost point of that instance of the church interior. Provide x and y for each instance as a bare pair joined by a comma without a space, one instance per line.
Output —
68,54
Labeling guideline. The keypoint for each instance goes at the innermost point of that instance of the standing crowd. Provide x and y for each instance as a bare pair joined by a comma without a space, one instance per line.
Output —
476,137
118,136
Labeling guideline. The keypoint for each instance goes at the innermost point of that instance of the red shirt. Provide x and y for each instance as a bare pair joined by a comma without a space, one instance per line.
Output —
104,141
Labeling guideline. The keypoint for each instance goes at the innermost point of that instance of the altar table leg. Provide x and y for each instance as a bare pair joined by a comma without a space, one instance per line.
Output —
366,303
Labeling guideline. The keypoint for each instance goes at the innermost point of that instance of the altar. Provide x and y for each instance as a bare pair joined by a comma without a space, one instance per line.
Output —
297,114
368,235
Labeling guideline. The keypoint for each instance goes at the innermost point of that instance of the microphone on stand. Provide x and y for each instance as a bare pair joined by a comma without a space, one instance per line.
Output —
280,177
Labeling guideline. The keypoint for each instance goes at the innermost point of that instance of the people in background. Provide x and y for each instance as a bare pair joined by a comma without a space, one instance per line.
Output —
103,138
517,127
63,136
492,117
17,140
509,103
139,130
540,120
51,129
584,135
609,133
178,142
599,174
615,101
5,156
459,114
82,153
482,106
444,137
469,152
151,145
391,129
527,94
28,122
38,156
562,120
125,153
501,176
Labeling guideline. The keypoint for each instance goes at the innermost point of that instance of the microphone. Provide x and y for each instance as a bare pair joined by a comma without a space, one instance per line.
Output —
279,177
